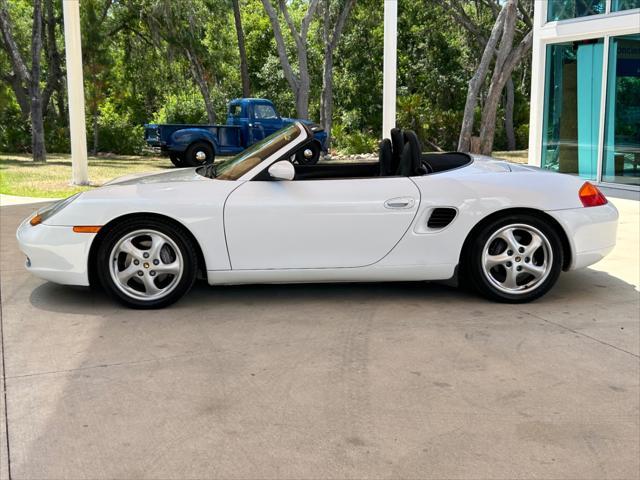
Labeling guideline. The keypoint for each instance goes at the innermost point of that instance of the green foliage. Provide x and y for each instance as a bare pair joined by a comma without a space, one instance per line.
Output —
182,108
117,133
137,68
354,142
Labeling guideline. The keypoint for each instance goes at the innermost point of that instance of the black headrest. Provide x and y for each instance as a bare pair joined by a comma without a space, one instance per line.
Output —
397,142
385,157
410,162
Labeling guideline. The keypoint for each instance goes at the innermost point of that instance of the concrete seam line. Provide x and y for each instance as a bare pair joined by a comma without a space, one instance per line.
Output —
4,392
582,334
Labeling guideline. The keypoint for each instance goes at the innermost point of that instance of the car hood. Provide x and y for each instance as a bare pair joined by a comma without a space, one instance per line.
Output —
173,175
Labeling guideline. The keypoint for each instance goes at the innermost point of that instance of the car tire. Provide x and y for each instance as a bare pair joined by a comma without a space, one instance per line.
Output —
309,154
514,259
176,159
200,153
146,264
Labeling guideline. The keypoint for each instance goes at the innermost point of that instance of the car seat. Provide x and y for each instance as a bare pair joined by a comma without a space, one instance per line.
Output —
410,162
385,158
397,143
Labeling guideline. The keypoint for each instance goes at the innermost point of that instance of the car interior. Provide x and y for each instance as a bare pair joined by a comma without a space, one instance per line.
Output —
401,155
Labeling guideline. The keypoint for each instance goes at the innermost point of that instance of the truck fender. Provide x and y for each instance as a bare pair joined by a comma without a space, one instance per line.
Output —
182,139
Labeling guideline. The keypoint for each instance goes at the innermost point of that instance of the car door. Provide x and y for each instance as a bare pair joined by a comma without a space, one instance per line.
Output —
317,223
265,120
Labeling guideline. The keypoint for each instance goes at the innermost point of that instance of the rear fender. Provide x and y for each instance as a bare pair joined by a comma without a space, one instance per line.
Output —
181,139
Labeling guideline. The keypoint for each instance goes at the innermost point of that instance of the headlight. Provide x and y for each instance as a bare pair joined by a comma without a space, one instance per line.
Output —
48,212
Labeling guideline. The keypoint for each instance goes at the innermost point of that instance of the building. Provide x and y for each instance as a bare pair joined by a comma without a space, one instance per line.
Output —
585,90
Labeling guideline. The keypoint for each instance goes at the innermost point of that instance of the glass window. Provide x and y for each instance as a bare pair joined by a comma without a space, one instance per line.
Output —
235,110
621,160
237,166
573,82
265,112
617,5
565,9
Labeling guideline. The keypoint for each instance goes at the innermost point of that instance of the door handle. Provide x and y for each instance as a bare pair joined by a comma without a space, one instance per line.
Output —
400,203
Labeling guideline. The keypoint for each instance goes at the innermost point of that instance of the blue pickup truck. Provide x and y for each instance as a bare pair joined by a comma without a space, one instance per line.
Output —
248,121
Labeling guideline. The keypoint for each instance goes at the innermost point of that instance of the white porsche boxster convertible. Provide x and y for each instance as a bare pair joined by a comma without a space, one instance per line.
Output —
507,230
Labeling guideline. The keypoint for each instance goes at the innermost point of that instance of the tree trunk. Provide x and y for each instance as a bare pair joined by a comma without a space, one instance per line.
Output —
508,115
475,84
37,113
488,126
94,150
331,42
301,84
198,75
244,69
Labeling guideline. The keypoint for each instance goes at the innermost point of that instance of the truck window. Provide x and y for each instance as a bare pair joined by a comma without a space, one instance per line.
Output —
265,112
235,110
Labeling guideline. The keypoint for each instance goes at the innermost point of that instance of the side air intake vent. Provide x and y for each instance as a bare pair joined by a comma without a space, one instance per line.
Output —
441,217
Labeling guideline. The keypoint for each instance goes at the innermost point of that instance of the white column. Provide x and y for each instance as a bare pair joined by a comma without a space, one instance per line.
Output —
75,86
390,52
538,67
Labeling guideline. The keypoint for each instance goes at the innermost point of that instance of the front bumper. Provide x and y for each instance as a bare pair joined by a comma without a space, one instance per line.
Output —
591,232
55,253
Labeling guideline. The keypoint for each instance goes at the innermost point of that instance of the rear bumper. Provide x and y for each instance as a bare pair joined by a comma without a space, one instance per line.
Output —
591,232
55,253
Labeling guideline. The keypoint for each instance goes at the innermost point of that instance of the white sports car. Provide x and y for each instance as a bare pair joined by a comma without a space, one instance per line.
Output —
507,230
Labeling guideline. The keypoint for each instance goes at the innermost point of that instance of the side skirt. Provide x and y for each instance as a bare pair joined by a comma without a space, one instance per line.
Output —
330,275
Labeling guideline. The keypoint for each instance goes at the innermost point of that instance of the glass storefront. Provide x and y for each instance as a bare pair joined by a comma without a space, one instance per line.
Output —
573,85
621,159
565,9
618,5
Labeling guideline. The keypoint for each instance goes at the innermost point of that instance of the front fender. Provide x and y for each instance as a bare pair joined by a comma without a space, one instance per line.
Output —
181,139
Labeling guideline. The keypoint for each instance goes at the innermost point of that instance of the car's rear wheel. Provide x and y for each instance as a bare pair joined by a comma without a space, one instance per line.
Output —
147,263
515,259
200,153
177,159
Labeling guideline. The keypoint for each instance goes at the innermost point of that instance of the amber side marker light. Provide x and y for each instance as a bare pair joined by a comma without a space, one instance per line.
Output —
36,220
86,229
591,196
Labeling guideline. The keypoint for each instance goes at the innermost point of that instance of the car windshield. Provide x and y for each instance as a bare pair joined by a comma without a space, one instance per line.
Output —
235,167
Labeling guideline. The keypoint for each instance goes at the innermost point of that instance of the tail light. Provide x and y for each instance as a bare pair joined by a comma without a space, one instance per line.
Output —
591,196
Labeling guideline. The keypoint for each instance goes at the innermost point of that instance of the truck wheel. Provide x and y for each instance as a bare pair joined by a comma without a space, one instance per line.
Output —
200,153
176,159
309,154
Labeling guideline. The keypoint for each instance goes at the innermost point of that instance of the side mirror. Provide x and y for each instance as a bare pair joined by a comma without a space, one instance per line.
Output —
282,170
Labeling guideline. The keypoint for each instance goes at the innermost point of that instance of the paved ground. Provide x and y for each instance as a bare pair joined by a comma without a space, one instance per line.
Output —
334,381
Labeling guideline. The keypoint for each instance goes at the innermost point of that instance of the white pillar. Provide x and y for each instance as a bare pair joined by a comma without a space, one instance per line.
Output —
390,52
75,87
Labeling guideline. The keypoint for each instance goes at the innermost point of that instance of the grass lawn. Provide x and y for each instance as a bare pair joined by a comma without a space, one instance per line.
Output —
20,176
515,156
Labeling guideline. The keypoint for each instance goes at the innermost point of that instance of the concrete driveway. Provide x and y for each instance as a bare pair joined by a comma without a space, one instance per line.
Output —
402,380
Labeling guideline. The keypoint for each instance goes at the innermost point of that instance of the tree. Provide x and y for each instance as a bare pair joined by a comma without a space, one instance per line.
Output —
96,59
331,37
501,49
244,69
26,83
182,26
300,83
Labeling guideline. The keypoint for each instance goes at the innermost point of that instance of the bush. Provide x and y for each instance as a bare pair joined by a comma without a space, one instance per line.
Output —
182,108
116,133
354,142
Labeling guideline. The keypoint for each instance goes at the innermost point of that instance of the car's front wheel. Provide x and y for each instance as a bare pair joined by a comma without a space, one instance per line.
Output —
147,263
515,259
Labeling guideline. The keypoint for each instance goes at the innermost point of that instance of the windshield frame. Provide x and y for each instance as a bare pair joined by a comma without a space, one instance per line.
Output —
253,150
